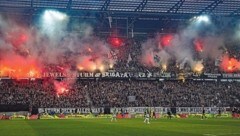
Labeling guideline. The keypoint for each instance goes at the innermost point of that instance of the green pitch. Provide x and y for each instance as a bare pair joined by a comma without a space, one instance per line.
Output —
124,127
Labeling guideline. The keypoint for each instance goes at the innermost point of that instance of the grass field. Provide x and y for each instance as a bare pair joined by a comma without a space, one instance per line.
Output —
124,127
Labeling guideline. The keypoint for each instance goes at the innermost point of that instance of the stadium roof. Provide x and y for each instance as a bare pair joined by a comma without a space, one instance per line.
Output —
151,7
162,16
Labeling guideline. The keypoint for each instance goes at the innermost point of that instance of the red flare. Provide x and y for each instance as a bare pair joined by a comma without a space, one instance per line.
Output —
17,39
166,40
198,45
230,64
19,67
115,41
61,88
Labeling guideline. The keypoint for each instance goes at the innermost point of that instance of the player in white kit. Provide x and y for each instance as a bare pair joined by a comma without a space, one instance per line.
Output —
147,116
114,115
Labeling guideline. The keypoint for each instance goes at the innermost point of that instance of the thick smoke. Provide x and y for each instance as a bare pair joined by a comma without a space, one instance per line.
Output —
230,64
148,51
212,47
183,49
52,44
48,46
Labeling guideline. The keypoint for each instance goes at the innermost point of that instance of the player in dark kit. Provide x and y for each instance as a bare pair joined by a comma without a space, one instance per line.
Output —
154,115
219,112
169,113
234,111
203,113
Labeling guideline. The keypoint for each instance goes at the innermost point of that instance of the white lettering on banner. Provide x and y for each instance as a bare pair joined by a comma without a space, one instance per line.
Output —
156,74
143,75
231,75
149,74
210,75
40,110
140,74
117,74
136,110
164,110
131,110
97,74
166,75
125,74
78,111
70,110
105,74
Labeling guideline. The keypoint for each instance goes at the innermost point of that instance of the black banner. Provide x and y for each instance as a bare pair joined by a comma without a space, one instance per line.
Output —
138,75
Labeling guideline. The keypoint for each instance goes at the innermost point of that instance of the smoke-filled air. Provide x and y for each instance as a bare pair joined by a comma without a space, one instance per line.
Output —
27,50
48,46
190,47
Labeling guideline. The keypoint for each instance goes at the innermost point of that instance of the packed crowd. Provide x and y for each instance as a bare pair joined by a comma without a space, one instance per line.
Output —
39,94
166,94
115,93
129,58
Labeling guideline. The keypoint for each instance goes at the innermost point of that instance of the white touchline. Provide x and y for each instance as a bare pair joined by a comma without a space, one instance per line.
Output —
228,134
221,134
209,135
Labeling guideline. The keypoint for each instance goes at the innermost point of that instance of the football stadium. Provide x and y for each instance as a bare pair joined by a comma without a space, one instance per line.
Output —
119,67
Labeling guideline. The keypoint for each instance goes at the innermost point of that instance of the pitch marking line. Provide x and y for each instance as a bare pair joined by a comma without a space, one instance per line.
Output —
222,134
209,135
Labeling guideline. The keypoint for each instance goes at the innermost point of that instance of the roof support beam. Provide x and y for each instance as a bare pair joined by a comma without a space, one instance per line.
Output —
69,5
211,7
105,5
176,7
32,4
141,6
132,22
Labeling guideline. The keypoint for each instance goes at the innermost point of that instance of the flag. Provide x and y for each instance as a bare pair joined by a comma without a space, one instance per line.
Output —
129,58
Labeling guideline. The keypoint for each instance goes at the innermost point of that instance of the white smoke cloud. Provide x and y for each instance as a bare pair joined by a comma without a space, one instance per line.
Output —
182,48
51,43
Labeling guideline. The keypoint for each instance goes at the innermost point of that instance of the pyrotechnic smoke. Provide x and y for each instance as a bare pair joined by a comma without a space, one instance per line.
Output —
230,64
183,47
237,32
30,49
61,87
147,57
52,44
212,47
197,66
